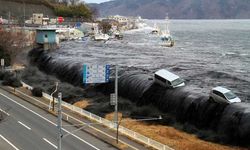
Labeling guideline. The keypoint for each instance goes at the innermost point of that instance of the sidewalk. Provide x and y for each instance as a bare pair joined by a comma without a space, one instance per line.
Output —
97,130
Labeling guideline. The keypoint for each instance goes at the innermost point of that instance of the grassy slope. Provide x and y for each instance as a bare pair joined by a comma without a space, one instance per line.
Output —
168,135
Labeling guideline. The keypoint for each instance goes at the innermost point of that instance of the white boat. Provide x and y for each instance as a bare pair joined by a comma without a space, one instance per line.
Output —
166,38
69,34
155,30
117,35
99,36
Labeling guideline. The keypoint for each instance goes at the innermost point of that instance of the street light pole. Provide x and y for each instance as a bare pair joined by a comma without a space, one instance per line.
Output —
53,103
23,14
116,102
53,98
9,19
59,121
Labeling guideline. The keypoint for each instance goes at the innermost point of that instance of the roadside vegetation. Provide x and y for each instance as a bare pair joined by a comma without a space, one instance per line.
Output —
77,11
10,79
11,44
65,8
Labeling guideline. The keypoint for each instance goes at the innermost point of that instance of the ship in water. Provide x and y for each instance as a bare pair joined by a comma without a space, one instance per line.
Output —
99,36
166,38
155,30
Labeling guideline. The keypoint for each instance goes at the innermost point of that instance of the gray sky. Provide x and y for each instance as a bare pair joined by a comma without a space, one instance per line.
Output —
95,1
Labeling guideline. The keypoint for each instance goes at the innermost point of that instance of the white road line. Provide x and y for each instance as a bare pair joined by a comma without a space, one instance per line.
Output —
4,112
104,133
9,142
24,125
50,121
81,121
50,143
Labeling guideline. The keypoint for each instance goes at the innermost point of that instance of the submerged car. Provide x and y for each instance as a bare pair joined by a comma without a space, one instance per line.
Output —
168,79
222,95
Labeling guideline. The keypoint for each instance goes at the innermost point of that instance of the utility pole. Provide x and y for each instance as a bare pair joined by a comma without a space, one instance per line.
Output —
9,19
59,122
2,64
116,103
53,98
24,14
53,103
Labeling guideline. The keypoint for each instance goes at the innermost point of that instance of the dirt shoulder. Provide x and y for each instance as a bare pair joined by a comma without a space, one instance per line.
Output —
168,135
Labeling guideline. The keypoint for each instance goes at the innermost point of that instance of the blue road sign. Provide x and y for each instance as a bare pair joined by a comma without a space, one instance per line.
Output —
96,73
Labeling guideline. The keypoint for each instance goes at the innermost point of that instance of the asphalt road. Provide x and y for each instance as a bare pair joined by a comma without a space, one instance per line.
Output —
24,126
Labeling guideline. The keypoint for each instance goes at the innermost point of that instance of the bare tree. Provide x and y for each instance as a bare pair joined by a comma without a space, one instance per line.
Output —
12,43
66,2
74,2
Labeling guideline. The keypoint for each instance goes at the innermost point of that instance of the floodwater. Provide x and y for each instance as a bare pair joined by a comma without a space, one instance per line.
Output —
207,53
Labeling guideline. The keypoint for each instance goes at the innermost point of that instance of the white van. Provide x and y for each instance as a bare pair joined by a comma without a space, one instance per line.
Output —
168,79
222,95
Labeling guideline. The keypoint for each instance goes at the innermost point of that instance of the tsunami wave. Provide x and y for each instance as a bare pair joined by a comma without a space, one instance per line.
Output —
230,122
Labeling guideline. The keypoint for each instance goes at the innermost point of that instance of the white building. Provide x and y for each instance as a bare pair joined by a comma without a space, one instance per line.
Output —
3,21
37,19
120,19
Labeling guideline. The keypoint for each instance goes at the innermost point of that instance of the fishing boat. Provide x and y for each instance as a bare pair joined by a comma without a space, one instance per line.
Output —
166,38
155,30
99,36
117,35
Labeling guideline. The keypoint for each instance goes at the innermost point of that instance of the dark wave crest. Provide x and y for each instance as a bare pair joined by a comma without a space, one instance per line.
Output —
230,122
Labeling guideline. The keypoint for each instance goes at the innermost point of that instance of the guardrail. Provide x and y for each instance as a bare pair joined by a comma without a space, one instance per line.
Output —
107,123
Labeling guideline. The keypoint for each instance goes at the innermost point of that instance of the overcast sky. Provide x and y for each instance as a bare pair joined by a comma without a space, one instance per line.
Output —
95,1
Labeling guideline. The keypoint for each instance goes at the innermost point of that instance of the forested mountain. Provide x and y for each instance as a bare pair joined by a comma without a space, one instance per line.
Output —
17,9
178,9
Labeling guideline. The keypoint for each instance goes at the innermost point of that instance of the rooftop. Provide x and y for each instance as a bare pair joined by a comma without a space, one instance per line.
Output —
167,75
221,89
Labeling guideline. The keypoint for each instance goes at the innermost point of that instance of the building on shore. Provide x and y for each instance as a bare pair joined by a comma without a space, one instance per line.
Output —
125,23
47,37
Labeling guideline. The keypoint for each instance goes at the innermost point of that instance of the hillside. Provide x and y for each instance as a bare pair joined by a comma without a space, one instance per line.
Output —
16,8
178,9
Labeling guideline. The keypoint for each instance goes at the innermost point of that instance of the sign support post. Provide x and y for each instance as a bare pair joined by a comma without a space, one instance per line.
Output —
2,63
116,103
59,122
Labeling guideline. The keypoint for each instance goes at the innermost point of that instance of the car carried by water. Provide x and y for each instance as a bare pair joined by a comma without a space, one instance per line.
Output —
222,95
168,79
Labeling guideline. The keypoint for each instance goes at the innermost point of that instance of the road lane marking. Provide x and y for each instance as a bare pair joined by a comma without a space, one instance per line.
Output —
104,133
9,142
4,112
50,121
24,125
80,121
50,143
